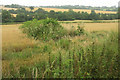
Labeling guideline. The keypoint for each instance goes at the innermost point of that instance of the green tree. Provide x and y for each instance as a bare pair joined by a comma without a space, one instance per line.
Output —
44,30
40,16
31,7
21,17
6,16
93,15
52,14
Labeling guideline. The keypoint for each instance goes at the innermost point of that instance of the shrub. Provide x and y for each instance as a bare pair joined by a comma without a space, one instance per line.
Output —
76,32
44,30
65,44
80,30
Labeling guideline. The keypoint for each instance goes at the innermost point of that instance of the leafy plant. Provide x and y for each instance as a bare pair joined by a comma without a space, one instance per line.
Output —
80,30
44,30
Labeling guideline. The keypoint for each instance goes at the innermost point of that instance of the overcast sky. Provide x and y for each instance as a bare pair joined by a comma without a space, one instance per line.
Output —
61,2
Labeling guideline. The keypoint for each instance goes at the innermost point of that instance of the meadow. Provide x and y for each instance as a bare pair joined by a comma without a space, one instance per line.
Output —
93,54
11,35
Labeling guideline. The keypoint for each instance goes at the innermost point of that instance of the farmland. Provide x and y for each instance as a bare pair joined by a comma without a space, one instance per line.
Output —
24,57
30,13
56,10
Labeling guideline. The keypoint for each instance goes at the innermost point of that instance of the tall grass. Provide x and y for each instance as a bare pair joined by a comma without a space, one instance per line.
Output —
97,60
94,55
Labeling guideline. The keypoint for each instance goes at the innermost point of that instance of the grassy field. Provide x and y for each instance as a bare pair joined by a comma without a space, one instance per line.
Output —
11,35
90,21
94,26
23,57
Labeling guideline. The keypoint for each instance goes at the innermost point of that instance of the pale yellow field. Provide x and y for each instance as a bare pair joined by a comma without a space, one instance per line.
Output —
94,26
12,37
76,10
4,8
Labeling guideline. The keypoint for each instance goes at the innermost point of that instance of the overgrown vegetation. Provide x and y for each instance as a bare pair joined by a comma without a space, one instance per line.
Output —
44,30
48,29
85,55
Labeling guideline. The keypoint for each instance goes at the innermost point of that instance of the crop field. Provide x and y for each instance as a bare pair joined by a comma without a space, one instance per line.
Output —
81,56
76,10
2,7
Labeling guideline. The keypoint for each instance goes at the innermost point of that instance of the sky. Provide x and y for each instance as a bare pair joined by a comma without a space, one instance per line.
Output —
61,2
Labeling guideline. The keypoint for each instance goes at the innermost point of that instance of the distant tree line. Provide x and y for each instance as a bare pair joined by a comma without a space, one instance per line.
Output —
14,6
24,15
103,8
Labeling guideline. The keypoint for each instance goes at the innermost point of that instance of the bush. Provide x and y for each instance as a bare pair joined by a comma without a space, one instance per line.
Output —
64,43
73,32
44,30
80,30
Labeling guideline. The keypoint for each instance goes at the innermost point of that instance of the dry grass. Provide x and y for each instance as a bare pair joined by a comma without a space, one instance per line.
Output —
93,26
11,34
101,26
13,38
89,21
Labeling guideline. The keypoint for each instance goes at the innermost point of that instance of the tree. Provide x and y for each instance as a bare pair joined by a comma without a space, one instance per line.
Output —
23,9
6,16
13,11
52,14
31,8
40,10
21,17
93,15
40,16
43,30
